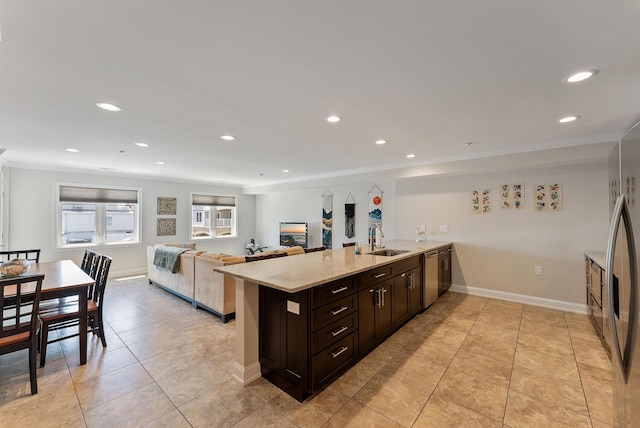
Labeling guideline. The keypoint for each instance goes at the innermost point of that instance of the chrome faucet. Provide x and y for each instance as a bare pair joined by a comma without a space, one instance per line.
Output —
373,235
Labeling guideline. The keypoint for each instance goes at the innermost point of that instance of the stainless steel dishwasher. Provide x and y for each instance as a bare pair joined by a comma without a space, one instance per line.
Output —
430,292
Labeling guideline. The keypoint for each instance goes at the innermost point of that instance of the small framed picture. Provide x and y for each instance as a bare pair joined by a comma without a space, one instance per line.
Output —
167,206
166,227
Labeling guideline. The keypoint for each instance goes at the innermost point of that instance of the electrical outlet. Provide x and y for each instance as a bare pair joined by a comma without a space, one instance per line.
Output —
444,228
539,270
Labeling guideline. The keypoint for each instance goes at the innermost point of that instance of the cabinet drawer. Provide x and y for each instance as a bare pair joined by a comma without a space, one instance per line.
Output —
327,314
406,264
333,332
331,292
443,251
332,360
375,275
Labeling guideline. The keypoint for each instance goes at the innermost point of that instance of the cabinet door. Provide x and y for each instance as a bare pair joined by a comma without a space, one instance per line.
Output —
401,298
415,296
384,311
367,300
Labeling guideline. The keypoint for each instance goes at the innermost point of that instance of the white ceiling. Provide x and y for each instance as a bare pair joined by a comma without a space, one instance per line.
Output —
426,75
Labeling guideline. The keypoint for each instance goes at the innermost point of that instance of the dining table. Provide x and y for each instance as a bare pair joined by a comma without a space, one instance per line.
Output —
65,279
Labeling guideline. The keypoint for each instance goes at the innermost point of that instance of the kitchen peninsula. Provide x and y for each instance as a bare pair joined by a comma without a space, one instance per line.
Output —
302,321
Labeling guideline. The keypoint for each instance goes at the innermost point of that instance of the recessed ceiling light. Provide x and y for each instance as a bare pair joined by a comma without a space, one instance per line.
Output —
108,106
333,119
72,150
285,170
160,163
381,142
580,76
141,144
568,119
228,137
411,155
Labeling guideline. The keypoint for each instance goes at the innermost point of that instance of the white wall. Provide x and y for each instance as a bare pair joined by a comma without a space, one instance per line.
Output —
306,205
499,251
30,196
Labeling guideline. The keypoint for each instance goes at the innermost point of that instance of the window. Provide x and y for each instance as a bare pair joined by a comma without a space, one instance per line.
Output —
213,216
96,216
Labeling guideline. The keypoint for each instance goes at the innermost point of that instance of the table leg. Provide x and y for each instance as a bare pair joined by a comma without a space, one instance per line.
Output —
82,302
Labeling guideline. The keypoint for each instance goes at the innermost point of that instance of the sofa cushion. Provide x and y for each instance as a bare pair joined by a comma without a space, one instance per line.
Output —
258,257
189,245
292,251
232,260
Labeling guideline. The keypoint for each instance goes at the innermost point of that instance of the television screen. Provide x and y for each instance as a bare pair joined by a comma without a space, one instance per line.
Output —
293,233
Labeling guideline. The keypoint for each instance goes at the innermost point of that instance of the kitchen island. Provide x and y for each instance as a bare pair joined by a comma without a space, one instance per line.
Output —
298,296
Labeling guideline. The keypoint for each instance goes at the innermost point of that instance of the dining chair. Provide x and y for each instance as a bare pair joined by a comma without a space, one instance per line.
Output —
90,263
30,255
19,301
63,315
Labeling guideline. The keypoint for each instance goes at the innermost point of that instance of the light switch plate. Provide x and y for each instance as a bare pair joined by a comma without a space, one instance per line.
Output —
444,228
539,270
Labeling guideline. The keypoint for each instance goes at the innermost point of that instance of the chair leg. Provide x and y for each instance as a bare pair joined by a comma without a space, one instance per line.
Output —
43,343
101,330
32,369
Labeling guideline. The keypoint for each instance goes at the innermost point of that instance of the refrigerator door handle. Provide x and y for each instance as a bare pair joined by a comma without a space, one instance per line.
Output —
621,214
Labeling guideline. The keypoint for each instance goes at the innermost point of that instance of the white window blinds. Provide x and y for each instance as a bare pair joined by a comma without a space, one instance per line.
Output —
97,195
214,201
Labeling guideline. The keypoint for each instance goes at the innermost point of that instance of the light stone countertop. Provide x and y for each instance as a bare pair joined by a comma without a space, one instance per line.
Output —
300,272
600,257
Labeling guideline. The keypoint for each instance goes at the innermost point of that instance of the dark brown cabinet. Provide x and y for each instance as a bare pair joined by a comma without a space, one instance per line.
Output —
309,338
375,304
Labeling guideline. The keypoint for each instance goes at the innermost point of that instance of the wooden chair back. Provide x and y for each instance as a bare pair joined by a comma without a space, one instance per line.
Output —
101,280
19,302
31,255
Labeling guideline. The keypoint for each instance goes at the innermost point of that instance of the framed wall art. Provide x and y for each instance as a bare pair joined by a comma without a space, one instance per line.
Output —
512,196
167,206
481,201
548,197
166,227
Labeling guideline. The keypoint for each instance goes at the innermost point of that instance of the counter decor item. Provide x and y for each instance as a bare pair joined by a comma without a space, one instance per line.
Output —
15,267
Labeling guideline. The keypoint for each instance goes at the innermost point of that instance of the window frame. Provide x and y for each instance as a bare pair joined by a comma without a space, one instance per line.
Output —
212,218
101,218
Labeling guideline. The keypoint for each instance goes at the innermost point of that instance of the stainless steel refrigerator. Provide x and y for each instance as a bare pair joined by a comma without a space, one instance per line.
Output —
621,308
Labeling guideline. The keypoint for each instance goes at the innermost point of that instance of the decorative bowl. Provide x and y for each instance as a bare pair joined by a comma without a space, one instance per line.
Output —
15,267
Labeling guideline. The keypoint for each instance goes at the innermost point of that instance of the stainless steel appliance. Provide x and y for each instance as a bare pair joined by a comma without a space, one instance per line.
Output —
622,304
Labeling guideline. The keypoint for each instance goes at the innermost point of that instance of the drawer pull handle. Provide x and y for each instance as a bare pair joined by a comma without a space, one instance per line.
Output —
337,311
380,275
339,331
339,290
336,354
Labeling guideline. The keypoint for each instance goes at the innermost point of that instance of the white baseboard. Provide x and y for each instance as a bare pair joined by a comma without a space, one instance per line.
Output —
245,375
125,273
521,298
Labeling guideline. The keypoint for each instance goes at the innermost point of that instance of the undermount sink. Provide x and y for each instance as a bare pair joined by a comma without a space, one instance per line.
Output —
388,252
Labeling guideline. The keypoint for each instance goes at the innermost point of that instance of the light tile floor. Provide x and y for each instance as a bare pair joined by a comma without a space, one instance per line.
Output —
466,361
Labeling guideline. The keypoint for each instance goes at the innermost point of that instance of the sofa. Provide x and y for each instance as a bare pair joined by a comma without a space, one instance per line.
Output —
196,281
